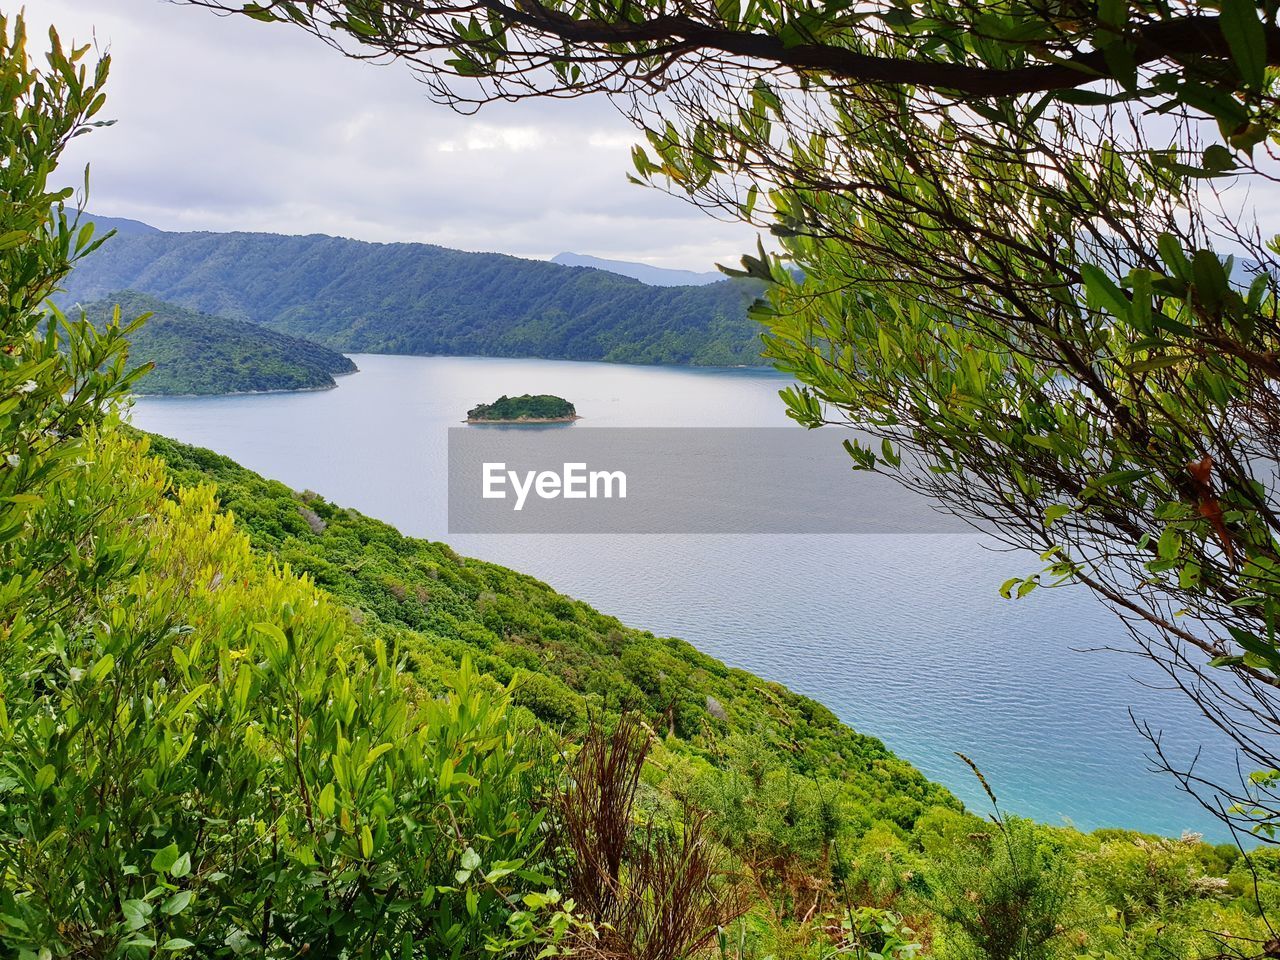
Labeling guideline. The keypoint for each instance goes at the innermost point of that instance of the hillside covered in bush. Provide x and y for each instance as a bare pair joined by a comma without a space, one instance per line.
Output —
825,820
196,353
414,298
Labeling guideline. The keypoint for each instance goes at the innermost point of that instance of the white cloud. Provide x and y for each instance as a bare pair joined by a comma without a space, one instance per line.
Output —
484,137
610,140
226,124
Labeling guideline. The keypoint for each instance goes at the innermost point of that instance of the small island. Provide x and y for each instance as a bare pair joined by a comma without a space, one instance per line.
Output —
542,408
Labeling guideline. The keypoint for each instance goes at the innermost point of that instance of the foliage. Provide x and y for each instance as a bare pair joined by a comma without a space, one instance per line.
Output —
1008,279
705,52
195,353
245,774
1004,893
198,751
653,891
526,407
1008,256
819,819
420,299
57,377
437,607
206,751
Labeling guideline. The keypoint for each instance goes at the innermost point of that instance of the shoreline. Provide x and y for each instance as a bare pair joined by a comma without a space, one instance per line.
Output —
253,393
520,420
234,393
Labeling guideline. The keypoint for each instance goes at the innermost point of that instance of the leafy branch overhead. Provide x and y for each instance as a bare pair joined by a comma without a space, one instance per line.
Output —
968,49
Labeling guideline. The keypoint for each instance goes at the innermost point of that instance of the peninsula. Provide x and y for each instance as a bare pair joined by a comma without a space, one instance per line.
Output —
542,408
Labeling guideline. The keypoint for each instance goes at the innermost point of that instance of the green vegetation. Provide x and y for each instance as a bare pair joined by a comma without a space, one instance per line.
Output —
195,353
420,299
246,722
1026,250
540,408
826,825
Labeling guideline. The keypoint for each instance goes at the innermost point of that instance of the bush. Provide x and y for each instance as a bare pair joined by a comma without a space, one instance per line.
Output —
198,750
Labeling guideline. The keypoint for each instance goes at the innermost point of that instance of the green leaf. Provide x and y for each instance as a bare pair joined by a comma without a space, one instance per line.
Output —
1101,291
1055,513
102,667
327,800
1218,159
1210,279
165,858
1169,545
1247,40
135,913
44,777
1173,256
1158,363
1233,661
177,903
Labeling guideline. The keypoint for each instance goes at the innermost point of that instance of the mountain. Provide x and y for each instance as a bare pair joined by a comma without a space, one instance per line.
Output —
654,276
419,299
196,353
121,225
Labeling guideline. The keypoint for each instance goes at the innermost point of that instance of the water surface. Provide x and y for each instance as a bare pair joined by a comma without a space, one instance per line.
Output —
904,637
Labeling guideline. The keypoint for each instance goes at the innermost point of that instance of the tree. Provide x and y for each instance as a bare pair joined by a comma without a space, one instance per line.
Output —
1023,267
198,750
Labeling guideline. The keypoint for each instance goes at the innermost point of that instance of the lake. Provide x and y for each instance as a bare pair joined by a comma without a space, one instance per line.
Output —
904,636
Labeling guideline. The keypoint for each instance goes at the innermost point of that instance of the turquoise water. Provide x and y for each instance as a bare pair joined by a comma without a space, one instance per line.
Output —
904,637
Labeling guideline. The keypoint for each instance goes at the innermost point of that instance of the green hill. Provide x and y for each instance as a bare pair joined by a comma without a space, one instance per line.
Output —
196,353
439,607
418,299
814,810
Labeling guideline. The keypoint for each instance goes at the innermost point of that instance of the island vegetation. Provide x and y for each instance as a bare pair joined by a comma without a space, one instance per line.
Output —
198,354
528,408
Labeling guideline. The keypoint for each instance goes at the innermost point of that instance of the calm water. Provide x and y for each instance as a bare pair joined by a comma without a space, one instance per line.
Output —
904,637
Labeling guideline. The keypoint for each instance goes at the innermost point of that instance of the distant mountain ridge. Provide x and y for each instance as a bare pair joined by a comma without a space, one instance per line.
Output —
645,273
195,353
121,225
414,298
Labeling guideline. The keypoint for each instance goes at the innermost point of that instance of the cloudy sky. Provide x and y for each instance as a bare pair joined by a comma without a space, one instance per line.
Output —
225,124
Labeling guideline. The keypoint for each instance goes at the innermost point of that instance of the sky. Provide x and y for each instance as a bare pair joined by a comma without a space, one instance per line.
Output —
227,124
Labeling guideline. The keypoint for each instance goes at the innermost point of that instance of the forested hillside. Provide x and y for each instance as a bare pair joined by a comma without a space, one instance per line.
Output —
816,815
420,299
196,353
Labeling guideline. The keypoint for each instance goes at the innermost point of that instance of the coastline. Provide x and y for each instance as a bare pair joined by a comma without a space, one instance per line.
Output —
319,388
245,393
520,420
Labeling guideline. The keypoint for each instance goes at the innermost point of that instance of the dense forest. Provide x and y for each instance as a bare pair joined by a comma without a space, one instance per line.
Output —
195,353
526,407
418,299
